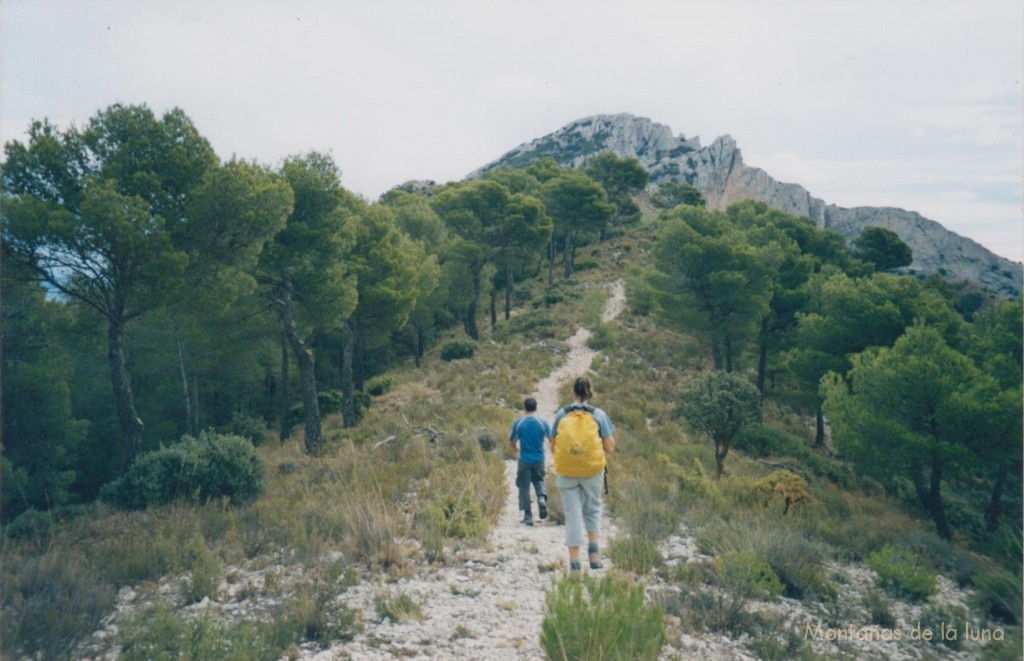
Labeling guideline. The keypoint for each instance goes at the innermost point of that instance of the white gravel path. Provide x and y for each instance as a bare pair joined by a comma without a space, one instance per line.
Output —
495,593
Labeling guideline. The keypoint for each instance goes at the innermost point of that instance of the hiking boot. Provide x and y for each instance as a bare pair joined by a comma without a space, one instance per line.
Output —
594,555
575,566
542,505
596,564
528,519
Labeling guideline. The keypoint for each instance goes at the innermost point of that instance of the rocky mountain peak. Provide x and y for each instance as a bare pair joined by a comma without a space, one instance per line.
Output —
719,172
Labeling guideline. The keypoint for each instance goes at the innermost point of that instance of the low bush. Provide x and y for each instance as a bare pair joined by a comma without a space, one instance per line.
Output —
379,385
606,618
204,573
458,350
398,608
252,428
50,602
902,573
158,633
765,441
199,469
602,337
635,554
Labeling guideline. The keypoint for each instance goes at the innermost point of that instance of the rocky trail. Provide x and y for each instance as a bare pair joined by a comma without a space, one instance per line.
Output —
487,601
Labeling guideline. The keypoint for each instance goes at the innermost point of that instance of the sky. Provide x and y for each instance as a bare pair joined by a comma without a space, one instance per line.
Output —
906,103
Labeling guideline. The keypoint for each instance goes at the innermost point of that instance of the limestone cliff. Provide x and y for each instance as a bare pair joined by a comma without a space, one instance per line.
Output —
720,174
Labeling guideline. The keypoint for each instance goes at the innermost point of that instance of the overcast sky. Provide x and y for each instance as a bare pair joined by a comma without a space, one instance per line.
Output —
913,104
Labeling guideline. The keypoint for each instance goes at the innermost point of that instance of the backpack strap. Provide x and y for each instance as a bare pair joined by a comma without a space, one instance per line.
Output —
578,407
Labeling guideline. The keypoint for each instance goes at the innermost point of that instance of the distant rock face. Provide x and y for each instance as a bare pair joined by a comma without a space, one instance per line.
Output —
719,173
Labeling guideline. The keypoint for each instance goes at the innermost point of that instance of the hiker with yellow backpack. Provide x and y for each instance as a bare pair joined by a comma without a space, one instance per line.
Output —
581,438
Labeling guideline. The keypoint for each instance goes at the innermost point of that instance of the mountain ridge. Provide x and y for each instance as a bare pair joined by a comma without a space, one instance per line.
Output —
719,172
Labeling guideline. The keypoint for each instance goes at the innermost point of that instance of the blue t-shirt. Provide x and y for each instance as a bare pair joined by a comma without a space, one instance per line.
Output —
604,423
530,431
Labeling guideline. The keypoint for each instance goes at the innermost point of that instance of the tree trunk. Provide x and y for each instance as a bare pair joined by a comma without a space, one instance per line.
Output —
189,426
307,376
195,402
762,357
936,506
819,426
348,401
124,399
494,305
721,449
728,354
551,262
994,511
508,292
716,353
471,328
568,253
285,424
417,343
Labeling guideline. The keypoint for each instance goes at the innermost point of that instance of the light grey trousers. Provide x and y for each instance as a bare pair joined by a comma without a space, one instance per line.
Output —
581,499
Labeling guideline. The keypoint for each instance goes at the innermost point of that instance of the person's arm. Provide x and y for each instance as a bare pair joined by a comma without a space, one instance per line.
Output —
513,438
609,444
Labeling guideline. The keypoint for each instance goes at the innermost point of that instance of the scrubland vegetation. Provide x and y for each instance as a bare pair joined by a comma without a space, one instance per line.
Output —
394,459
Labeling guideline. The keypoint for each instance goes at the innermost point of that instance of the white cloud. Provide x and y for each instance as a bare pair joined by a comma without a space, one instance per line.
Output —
859,101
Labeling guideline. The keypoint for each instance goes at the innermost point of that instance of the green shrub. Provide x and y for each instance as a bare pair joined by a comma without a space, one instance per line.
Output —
205,570
602,337
310,614
636,554
901,573
248,427
212,466
999,594
528,325
458,349
880,609
764,440
50,602
398,608
379,385
606,618
158,634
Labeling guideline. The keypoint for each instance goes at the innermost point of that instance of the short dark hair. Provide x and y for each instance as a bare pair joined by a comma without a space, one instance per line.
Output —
530,404
581,388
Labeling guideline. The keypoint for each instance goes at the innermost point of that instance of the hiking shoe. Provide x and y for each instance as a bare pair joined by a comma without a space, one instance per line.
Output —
575,566
528,520
596,564
542,505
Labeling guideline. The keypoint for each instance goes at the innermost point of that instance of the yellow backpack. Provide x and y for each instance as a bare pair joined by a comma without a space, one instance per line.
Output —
578,448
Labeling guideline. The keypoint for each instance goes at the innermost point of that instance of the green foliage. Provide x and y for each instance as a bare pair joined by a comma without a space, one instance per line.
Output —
767,441
743,576
311,613
918,404
204,572
251,428
634,554
379,385
158,634
673,193
606,618
714,278
458,350
50,602
902,573
398,608
212,466
883,248
720,404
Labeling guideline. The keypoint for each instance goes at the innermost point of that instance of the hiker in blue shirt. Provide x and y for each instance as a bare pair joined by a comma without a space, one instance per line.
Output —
530,432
